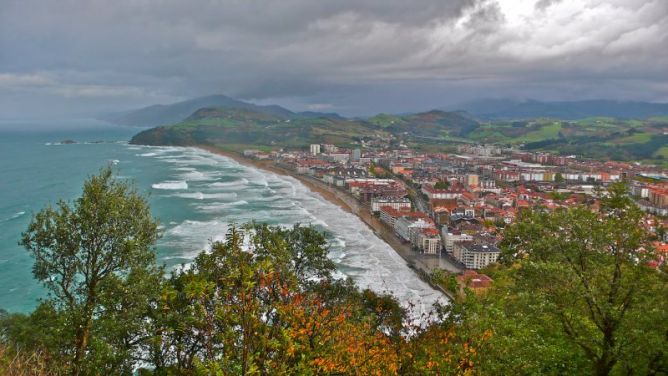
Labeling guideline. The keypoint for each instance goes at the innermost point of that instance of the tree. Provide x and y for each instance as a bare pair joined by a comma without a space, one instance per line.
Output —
95,257
442,184
559,178
586,271
264,302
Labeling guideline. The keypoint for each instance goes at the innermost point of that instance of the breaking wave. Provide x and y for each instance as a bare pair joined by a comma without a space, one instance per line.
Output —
171,185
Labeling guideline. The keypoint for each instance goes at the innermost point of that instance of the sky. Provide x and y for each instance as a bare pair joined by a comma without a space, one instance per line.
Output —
356,57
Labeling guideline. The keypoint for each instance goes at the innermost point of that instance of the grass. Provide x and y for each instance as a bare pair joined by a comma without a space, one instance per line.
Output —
638,138
662,152
546,132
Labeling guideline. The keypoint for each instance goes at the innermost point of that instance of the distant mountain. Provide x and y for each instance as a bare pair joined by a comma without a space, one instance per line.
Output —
167,114
502,109
160,114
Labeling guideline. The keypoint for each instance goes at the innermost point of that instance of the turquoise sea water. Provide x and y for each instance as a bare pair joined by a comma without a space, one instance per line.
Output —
194,194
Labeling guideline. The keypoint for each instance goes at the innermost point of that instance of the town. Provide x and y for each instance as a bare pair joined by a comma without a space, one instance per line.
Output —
449,210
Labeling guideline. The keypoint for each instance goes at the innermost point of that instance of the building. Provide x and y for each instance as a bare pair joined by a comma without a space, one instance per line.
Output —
415,230
338,157
315,149
401,226
390,215
442,194
410,224
429,241
356,155
476,282
474,255
472,180
329,148
658,196
450,236
398,203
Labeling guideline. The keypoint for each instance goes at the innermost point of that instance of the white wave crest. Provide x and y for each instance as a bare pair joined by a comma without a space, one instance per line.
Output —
206,196
171,185
195,175
236,183
14,216
195,236
219,206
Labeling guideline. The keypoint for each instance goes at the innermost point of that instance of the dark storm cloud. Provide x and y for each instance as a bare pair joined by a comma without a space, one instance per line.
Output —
356,57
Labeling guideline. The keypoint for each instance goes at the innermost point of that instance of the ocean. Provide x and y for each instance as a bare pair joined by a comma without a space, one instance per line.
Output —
194,194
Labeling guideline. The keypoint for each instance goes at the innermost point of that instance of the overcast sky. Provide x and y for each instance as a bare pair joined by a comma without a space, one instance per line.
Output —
356,57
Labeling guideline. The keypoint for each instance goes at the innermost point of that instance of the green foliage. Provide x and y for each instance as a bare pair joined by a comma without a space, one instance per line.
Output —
442,185
446,280
558,196
559,178
95,257
575,297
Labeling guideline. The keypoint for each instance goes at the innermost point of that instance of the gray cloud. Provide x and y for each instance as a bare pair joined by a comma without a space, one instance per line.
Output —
356,57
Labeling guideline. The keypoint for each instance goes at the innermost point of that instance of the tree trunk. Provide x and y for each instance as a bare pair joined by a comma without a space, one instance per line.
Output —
83,333
81,343
607,361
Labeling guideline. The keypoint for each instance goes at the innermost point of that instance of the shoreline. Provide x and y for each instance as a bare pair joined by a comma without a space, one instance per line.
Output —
349,204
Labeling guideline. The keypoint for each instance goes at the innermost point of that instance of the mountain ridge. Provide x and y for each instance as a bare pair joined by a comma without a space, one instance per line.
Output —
167,114
507,109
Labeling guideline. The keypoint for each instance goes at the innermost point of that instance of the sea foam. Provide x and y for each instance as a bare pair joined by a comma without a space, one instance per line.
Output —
171,185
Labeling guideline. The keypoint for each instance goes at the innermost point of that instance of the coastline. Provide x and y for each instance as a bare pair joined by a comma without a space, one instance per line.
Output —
421,266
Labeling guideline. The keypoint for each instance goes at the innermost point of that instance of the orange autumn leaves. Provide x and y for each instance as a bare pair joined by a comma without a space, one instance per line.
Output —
334,342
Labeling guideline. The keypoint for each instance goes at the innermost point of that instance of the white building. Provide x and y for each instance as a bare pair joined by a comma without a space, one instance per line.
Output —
450,238
441,194
315,149
337,157
475,256
401,227
395,203
429,242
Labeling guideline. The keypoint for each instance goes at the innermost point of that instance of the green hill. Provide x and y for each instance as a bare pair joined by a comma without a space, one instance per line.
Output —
596,137
240,127
234,127
427,124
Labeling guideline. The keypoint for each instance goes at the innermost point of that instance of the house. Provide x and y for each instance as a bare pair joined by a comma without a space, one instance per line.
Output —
477,282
